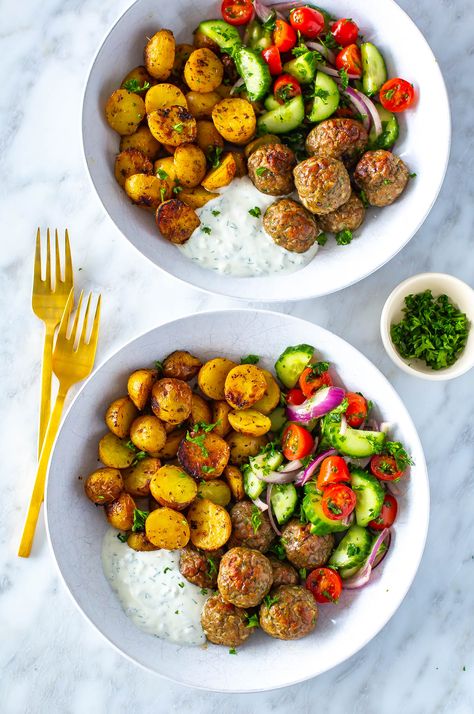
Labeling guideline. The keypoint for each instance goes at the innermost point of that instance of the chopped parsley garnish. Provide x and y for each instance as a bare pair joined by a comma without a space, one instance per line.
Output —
402,458
166,570
178,127
139,518
412,176
364,199
256,518
250,359
387,182
321,94
204,426
333,507
198,439
177,189
139,456
207,469
215,212
181,585
130,445
162,193
232,650
278,550
269,600
122,537
204,591
285,92
211,567
270,23
161,173
322,239
353,549
344,237
133,85
317,369
261,171
214,156
255,212
329,41
389,93
252,620
206,229
344,77
328,596
303,573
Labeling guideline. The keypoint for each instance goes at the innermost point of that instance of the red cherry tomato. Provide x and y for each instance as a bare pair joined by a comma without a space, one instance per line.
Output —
237,12
356,412
307,21
349,59
333,470
311,379
285,88
284,36
345,31
397,95
387,514
296,442
385,468
338,501
295,396
324,584
273,59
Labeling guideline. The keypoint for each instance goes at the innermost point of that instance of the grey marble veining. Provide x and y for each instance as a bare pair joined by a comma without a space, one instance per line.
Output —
51,660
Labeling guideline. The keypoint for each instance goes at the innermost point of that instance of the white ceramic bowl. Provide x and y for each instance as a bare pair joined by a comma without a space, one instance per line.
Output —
424,145
461,294
76,528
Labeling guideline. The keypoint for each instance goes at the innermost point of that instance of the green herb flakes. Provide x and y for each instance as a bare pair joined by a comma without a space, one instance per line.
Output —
252,620
344,237
250,359
139,518
255,212
256,518
133,85
322,239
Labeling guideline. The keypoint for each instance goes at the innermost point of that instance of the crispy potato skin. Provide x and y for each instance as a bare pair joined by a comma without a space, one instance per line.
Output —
173,440
240,163
164,95
200,104
140,75
176,221
203,72
236,482
136,479
171,400
124,111
130,162
104,485
181,56
190,164
207,136
166,528
181,364
200,411
220,417
242,446
143,141
148,434
120,415
202,40
114,452
144,190
210,524
250,421
244,385
119,513
212,376
197,197
139,541
139,386
173,487
172,125
159,54
271,398
222,175
203,455
234,119
216,491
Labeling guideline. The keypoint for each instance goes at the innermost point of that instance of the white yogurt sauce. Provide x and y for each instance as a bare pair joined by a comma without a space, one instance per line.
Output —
237,243
152,591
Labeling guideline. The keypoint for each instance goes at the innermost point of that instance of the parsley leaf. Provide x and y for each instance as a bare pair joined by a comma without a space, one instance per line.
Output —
161,173
401,456
133,85
322,239
215,212
344,237
250,359
122,537
178,127
206,229
256,518
270,23
303,573
269,600
252,620
364,199
198,439
344,77
261,171
211,567
278,549
139,518
232,650
255,212
214,156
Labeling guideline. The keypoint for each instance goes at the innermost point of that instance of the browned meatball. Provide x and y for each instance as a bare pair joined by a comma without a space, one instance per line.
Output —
223,623
283,573
250,527
339,138
322,183
245,577
349,216
382,176
291,225
271,169
289,613
304,549
200,567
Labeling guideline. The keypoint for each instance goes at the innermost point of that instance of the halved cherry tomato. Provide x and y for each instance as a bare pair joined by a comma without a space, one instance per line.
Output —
295,396
324,584
387,514
285,88
333,470
345,31
338,501
385,467
284,36
312,379
307,21
273,59
237,12
296,442
397,95
356,412
349,59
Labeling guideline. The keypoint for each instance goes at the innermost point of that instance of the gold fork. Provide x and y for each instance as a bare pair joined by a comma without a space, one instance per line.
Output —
49,300
73,359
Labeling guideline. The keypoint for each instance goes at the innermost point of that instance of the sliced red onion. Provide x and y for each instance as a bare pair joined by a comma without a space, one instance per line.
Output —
262,11
322,402
361,463
359,105
285,6
312,466
334,72
343,428
385,426
278,476
290,466
270,514
235,86
329,54
348,520
355,95
371,425
381,556
259,503
362,577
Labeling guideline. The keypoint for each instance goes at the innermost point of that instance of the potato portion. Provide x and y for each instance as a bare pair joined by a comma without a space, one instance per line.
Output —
244,385
148,434
144,141
196,197
139,386
165,171
136,479
212,376
173,487
172,125
271,398
176,221
190,164
220,417
208,138
137,76
139,541
164,95
167,529
124,111
173,440
222,175
216,491
114,452
119,513
200,411
235,480
181,56
234,119
250,421
202,40
171,400
181,364
261,141
242,446
201,105
104,485
130,162
210,524
203,455
119,416
160,54
240,163
203,72
145,190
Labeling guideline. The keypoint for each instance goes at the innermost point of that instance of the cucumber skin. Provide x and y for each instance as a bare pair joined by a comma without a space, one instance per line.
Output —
271,103
390,130
320,524
289,376
360,447
253,487
356,535
284,119
302,68
363,477
242,57
283,499
208,28
323,109
374,70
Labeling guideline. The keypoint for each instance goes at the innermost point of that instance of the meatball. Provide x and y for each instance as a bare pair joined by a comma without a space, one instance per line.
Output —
283,573
382,176
339,138
290,225
289,613
200,567
245,577
270,169
243,531
223,623
322,183
349,216
304,549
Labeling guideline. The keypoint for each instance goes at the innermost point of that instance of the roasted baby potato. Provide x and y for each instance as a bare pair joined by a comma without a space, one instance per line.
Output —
130,162
220,417
240,163
244,385
210,524
145,190
148,434
173,487
104,485
136,479
137,76
171,400
200,411
173,440
201,105
250,421
222,175
165,171
203,71
120,415
234,119
224,90
119,513
216,491
196,197
190,164
166,528
207,136
172,125
261,141
236,482
159,54
203,455
176,221
164,95
139,541
114,452
271,398
181,55
124,111
212,376
242,446
144,141
181,364
139,386
202,40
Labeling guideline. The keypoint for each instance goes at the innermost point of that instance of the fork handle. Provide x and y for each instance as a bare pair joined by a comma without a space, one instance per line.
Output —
38,490
46,379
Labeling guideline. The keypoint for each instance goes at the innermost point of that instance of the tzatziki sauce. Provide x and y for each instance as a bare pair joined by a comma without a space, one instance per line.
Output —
152,591
232,241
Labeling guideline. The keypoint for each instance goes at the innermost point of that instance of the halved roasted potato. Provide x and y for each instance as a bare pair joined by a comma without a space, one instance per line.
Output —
176,221
271,398
124,111
203,455
201,105
196,197
242,446
166,528
235,480
104,485
212,376
208,138
261,141
144,141
181,364
234,119
136,479
220,417
145,190
114,452
148,434
171,400
203,71
130,162
250,421
139,541
210,524
164,95
181,55
172,125
244,385
120,512
216,491
139,386
136,80
119,416
200,411
173,440
160,54
173,487
190,164
222,175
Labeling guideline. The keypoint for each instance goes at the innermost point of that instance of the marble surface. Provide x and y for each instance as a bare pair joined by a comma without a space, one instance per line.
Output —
51,660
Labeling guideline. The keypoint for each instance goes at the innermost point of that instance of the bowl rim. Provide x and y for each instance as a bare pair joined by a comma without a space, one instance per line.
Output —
237,294
424,515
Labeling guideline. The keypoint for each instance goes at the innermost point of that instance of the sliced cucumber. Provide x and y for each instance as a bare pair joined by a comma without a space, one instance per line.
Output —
354,442
321,524
271,103
352,550
326,97
303,68
369,496
283,499
220,32
253,487
278,419
390,130
292,362
374,71
260,465
283,119
254,71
